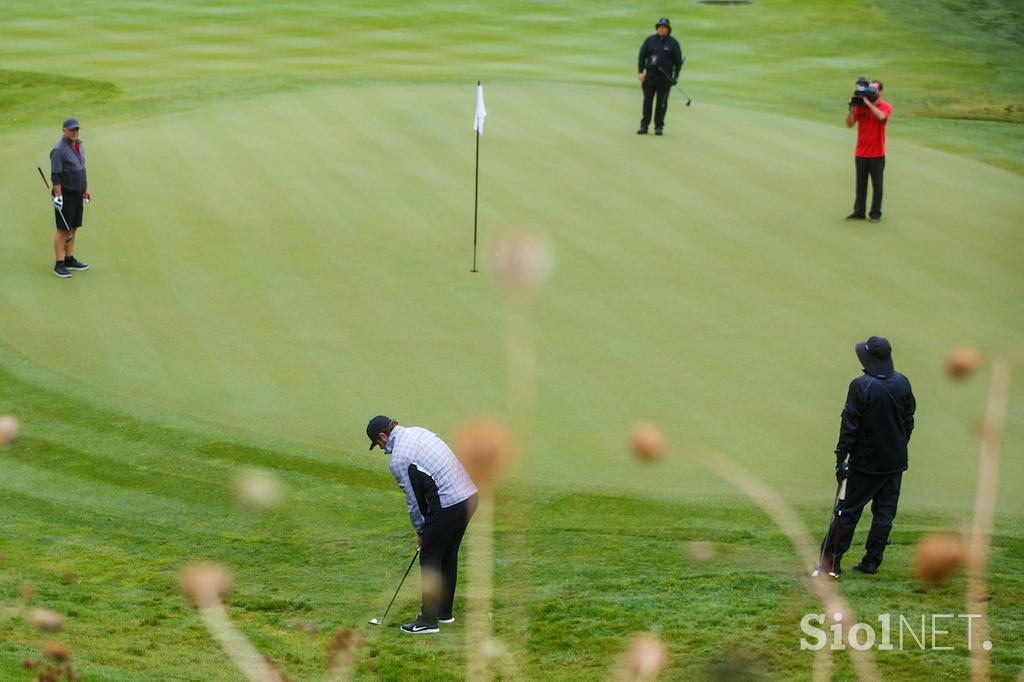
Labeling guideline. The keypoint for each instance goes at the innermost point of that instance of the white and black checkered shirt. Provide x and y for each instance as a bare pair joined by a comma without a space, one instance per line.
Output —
428,453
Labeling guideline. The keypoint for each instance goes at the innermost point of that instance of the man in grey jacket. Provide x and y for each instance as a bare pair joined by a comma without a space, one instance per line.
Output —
70,193
441,499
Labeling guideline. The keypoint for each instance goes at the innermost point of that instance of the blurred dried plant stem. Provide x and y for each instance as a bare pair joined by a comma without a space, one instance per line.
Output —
761,494
980,541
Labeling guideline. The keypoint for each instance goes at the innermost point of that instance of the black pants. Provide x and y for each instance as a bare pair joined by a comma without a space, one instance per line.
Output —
655,86
873,167
883,492
439,556
72,211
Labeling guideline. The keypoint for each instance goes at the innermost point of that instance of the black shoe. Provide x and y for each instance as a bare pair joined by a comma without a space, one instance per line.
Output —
641,131
72,263
866,568
446,619
874,219
657,131
420,628
61,271
855,216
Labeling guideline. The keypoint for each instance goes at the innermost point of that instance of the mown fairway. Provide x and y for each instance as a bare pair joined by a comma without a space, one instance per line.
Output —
281,244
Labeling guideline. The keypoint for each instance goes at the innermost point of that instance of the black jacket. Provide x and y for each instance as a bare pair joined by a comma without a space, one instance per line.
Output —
660,57
876,424
68,168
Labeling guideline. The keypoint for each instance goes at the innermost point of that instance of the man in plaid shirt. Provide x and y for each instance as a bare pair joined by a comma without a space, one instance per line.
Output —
441,500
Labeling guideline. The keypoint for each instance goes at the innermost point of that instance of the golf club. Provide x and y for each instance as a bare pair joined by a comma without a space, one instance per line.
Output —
374,621
60,212
833,514
675,81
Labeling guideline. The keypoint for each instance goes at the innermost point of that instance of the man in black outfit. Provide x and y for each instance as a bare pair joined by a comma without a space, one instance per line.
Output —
657,69
877,421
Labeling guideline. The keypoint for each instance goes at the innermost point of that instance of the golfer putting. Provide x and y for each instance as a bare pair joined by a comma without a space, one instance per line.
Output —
441,499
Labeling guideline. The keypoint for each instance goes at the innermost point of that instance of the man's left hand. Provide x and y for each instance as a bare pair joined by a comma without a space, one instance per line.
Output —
419,540
87,195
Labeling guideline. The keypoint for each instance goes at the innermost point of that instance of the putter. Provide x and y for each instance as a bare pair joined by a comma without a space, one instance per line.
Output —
675,82
374,621
60,212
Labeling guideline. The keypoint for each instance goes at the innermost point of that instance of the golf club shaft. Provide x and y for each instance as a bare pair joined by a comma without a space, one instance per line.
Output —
840,490
675,82
71,235
413,561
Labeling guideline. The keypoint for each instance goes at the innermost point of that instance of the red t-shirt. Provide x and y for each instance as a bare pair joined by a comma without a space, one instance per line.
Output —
871,131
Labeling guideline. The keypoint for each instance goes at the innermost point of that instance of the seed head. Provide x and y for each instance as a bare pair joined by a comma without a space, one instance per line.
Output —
205,584
485,448
962,361
647,441
937,558
10,429
46,620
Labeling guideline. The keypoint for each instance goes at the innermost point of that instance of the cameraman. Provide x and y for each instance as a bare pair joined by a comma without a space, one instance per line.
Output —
870,114
658,68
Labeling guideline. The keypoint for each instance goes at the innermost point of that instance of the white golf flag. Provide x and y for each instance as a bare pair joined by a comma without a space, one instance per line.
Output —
481,112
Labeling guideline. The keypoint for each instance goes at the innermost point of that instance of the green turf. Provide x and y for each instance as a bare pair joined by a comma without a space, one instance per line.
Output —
280,242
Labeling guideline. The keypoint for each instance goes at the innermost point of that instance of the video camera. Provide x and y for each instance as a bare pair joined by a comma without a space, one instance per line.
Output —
863,91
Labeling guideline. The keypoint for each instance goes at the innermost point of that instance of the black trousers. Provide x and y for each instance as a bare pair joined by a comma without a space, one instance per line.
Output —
653,86
72,211
874,168
883,492
439,558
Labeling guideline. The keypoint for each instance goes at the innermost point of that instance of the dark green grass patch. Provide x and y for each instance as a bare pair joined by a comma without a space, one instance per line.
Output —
100,532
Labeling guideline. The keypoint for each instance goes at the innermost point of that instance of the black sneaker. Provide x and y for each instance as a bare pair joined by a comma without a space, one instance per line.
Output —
447,620
641,131
874,219
866,568
61,271
72,263
420,628
657,131
855,216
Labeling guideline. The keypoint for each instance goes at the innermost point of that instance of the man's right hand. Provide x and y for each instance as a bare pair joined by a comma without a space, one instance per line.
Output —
419,540
842,470
640,76
58,201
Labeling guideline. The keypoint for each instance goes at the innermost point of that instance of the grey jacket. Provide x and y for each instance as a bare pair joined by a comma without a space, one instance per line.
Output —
67,169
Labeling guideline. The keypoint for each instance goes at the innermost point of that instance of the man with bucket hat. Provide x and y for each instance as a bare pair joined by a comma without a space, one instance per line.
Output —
658,68
877,421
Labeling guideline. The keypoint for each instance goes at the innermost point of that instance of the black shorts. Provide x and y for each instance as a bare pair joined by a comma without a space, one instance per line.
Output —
73,209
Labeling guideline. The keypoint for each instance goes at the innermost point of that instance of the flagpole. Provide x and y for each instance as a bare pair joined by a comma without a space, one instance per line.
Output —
476,188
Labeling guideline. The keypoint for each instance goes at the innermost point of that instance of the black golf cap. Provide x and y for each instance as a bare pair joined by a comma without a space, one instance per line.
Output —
71,124
378,424
875,356
664,22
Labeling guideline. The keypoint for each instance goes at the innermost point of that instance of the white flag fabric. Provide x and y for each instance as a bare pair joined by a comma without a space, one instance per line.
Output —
481,112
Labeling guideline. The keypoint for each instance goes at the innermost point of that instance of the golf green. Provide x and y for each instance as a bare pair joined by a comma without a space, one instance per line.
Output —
293,265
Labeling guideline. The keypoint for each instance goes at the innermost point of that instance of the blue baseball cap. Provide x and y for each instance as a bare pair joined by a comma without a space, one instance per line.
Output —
70,124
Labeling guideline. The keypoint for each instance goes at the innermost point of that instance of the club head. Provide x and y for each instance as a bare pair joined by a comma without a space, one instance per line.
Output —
687,102
374,621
